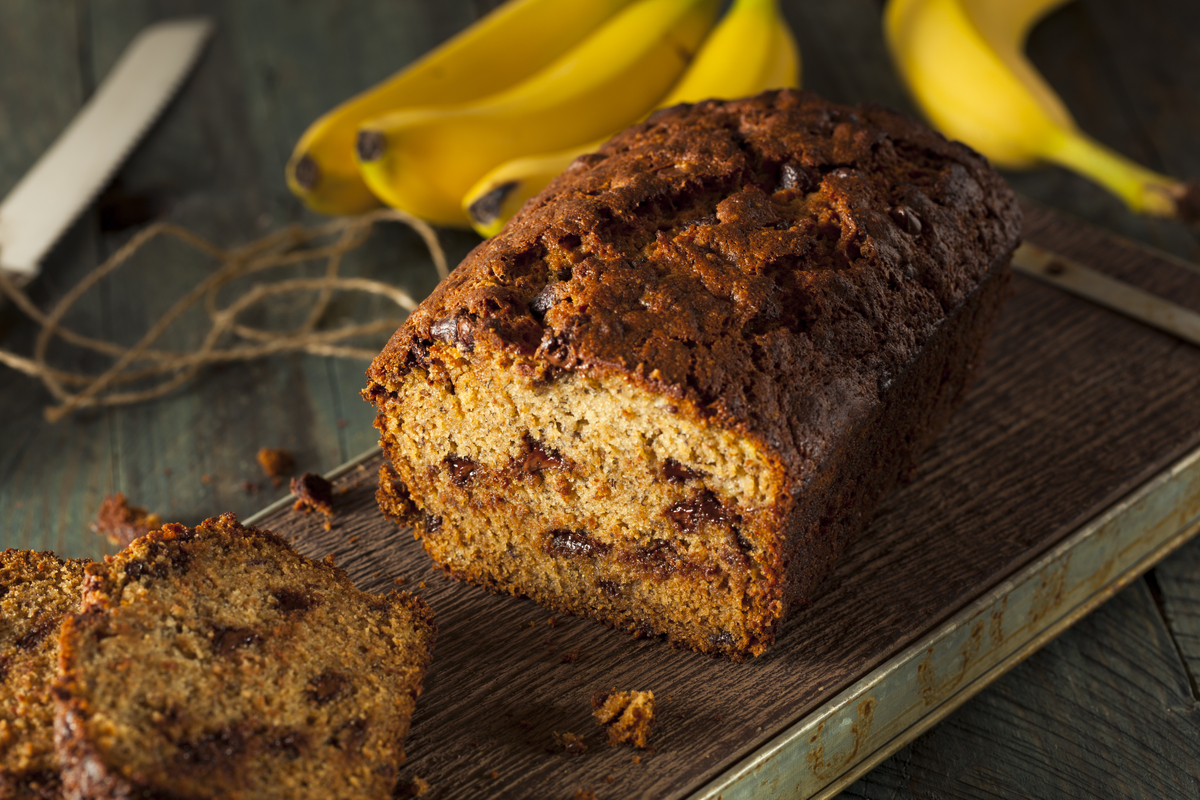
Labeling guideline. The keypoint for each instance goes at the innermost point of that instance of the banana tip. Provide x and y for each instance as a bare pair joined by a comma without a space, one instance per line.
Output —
1187,204
307,173
486,209
370,145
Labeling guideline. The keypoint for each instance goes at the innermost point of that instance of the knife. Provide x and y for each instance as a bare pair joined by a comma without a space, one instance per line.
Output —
79,163
1103,290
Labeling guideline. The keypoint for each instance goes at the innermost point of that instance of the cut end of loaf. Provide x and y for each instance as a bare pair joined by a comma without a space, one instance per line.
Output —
590,495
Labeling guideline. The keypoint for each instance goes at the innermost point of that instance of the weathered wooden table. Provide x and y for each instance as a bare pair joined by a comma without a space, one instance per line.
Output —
1111,708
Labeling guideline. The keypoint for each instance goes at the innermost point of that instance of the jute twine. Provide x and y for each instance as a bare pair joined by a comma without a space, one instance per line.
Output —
226,340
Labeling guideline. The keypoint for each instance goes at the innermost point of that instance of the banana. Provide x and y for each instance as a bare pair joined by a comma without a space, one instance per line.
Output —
964,64
424,160
502,49
750,49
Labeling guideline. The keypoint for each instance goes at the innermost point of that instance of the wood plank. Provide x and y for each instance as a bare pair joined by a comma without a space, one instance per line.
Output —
1062,422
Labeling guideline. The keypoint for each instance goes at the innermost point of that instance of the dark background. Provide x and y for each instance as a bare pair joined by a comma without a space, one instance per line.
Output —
1110,709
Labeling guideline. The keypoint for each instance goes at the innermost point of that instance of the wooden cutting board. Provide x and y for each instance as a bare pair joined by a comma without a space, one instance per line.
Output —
1081,425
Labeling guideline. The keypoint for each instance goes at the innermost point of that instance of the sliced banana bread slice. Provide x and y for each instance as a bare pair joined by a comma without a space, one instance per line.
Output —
36,590
218,662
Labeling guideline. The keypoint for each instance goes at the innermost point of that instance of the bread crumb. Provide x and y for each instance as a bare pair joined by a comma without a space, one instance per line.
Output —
249,487
609,778
206,478
585,794
414,788
313,493
636,759
276,462
493,774
401,581
571,657
121,523
626,715
552,622
571,744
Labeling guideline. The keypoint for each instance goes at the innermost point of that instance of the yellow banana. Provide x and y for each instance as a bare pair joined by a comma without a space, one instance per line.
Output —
751,49
502,49
424,160
964,63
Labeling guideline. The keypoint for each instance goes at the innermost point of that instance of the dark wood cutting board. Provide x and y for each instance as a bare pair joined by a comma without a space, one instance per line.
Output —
1074,408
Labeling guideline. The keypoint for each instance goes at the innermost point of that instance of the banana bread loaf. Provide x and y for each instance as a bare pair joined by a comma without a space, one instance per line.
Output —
217,662
36,590
674,388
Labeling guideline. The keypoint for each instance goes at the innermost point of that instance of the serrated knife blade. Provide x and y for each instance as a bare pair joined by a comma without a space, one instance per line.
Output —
77,166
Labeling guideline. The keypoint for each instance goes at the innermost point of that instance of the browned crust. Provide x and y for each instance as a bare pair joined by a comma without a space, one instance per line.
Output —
86,772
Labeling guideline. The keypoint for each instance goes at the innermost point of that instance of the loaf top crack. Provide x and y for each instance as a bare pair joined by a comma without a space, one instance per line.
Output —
767,263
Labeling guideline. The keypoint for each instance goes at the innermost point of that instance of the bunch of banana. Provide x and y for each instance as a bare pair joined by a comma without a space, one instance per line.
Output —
506,47
964,63
424,160
750,50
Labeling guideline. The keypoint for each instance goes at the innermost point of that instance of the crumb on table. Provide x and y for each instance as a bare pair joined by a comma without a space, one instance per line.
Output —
276,462
585,794
627,716
571,744
313,493
121,523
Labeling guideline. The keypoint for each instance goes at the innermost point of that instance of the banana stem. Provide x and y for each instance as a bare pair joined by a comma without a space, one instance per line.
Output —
1143,190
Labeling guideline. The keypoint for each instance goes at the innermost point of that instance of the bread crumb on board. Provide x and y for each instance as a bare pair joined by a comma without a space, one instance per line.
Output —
121,523
627,716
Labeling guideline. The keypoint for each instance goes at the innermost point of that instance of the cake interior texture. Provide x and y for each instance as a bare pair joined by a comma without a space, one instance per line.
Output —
677,385
217,662
36,591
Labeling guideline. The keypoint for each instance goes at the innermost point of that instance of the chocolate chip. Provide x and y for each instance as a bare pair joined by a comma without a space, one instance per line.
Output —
328,686
544,300
294,599
573,544
539,457
792,177
433,523
456,330
609,588
907,219
226,640
42,627
462,469
703,507
659,557
676,473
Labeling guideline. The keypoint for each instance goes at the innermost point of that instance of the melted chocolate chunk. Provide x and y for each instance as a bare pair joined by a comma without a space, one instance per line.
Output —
676,473
572,544
658,557
457,331
226,640
462,470
42,627
295,599
328,686
610,588
792,177
432,523
689,514
544,300
539,457
907,219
